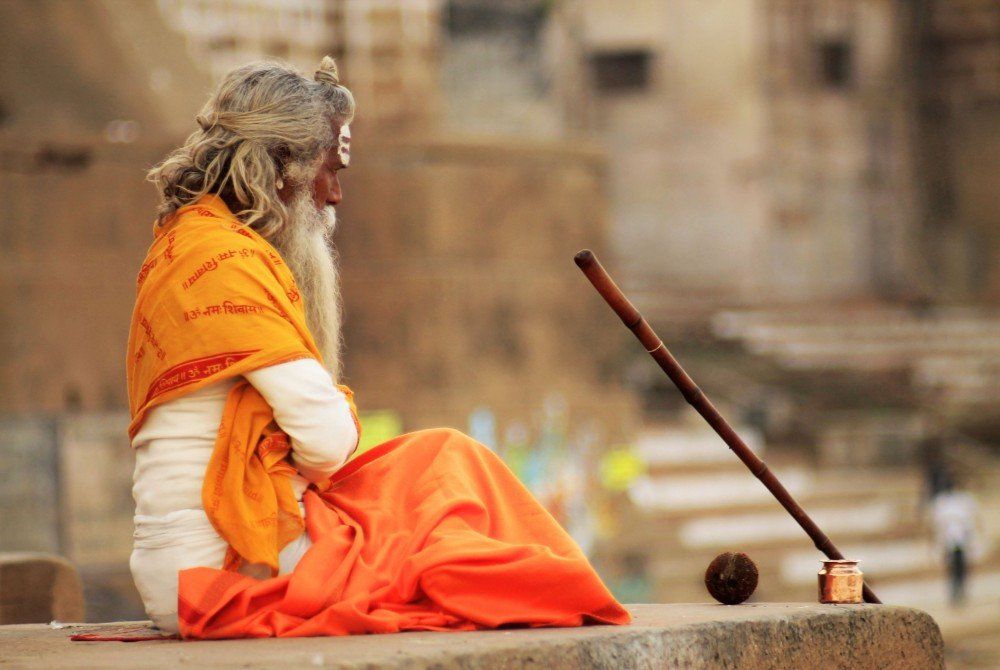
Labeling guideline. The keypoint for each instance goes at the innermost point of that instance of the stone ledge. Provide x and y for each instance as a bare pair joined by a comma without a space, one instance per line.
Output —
37,587
766,635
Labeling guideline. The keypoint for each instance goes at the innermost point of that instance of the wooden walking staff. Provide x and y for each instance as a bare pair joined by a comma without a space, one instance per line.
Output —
631,317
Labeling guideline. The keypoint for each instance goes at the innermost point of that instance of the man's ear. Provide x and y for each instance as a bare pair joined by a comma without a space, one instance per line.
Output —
285,189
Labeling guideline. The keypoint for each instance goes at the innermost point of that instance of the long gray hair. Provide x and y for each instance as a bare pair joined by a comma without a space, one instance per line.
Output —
264,124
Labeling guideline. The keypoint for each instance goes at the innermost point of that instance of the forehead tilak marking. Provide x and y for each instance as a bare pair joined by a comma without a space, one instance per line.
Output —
344,145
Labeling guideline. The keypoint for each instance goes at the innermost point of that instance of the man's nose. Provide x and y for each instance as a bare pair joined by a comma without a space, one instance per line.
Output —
335,195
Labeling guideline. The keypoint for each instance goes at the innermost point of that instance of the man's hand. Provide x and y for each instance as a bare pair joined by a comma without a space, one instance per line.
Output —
314,475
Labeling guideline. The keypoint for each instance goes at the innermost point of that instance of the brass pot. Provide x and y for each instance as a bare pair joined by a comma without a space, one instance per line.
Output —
841,582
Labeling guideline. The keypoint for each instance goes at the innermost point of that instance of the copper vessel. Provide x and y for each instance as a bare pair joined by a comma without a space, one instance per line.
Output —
841,582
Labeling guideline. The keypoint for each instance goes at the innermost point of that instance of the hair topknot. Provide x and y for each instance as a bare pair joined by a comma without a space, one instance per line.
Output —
328,72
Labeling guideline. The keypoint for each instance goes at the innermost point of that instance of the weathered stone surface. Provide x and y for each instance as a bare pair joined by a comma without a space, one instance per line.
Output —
37,588
773,635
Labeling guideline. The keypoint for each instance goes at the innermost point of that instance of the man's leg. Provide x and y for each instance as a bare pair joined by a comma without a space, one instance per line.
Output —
958,575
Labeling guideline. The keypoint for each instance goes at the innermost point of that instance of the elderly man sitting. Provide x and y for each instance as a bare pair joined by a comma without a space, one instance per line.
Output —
248,522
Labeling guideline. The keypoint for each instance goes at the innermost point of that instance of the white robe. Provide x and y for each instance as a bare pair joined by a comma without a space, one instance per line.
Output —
172,451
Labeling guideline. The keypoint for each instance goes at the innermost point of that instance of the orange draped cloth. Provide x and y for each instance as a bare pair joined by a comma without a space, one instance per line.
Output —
429,531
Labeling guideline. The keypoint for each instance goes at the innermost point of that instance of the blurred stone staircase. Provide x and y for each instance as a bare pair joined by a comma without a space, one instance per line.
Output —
951,355
697,500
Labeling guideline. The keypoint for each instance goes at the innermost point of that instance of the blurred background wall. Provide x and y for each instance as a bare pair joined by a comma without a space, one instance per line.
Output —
800,195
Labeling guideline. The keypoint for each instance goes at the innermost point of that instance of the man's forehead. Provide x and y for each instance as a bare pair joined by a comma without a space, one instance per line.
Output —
344,145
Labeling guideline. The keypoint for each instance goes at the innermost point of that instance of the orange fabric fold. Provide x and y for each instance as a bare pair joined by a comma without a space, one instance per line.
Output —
248,493
429,531
215,300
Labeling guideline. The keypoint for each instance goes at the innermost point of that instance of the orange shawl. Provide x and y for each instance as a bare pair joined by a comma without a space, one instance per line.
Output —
214,301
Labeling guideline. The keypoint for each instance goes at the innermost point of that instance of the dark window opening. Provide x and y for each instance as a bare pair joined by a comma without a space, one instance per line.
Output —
835,63
72,398
63,158
524,18
621,70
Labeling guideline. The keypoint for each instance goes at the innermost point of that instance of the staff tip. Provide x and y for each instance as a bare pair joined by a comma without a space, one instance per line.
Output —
583,258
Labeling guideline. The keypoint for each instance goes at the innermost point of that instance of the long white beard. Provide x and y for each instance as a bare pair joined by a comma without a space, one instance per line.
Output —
304,246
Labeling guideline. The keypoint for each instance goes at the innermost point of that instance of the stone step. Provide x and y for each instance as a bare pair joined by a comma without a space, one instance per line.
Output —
865,340
983,586
725,462
968,643
768,528
695,445
704,493
737,532
678,493
866,359
882,559
889,329
979,615
802,635
873,339
37,588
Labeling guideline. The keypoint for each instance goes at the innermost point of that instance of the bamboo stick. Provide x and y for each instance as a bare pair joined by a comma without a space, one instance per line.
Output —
695,397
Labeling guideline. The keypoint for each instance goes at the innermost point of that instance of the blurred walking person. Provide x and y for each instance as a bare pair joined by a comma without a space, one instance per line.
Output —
954,515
